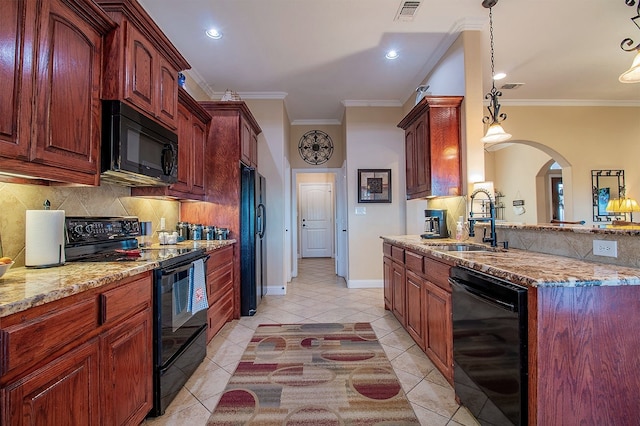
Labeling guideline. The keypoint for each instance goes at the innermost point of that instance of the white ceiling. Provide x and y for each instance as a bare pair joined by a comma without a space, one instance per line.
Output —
315,54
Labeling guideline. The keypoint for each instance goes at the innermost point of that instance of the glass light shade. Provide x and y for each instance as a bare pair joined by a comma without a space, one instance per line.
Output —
495,133
613,205
628,205
622,205
632,75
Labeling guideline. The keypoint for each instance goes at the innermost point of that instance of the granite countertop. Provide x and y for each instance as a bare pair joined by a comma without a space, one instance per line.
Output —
524,267
22,288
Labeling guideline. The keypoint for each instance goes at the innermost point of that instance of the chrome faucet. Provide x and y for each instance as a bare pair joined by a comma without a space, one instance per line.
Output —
492,238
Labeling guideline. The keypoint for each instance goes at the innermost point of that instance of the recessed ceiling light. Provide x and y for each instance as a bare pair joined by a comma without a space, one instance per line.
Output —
392,54
499,76
214,34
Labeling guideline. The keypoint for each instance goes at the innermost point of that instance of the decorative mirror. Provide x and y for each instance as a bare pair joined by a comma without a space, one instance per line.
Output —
607,185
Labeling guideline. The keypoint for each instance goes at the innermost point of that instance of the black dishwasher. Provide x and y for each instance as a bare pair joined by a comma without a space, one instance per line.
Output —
490,346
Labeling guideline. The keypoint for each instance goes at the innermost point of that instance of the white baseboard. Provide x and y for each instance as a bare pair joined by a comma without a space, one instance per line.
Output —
365,284
276,290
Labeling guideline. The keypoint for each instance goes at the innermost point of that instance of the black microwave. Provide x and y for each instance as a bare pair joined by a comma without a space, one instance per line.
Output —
136,150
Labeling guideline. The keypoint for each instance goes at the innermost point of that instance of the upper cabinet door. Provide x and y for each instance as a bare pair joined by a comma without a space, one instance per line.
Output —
167,92
16,45
68,91
140,70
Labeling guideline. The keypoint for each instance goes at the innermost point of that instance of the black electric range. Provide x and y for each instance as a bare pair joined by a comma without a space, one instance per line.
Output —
113,239
179,331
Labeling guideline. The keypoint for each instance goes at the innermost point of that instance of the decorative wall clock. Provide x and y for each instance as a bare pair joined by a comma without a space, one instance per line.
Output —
315,147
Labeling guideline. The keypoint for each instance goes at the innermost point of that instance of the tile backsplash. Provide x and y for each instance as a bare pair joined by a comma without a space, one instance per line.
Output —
105,200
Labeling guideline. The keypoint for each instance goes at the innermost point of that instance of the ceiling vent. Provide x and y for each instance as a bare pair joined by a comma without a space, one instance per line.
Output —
510,86
407,10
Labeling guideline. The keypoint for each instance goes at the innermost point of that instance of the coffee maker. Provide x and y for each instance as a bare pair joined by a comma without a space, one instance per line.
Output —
435,224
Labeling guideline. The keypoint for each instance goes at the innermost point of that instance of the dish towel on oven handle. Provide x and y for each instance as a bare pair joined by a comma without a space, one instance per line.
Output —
198,287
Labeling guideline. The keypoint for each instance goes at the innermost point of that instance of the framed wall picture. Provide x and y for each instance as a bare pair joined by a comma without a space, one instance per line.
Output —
374,185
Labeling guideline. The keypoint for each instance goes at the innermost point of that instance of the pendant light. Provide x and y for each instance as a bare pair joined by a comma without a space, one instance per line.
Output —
495,132
632,75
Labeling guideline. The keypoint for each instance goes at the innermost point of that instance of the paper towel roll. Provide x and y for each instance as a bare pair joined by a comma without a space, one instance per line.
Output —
44,238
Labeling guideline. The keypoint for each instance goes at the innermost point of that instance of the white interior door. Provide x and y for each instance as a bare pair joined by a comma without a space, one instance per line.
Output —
316,219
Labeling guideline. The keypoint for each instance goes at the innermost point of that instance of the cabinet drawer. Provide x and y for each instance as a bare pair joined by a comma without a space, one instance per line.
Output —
125,300
397,253
386,249
218,283
24,343
219,258
437,273
413,261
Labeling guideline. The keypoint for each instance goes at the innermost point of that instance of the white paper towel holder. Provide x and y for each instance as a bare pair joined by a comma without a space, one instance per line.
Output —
44,237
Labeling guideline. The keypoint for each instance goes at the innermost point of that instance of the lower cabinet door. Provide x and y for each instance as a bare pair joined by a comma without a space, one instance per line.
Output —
63,392
439,329
127,365
399,298
388,289
415,314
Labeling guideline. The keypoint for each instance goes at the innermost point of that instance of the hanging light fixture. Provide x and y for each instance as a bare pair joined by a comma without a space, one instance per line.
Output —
495,132
632,75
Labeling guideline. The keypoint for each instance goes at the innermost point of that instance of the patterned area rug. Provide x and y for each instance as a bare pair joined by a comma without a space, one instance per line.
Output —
314,374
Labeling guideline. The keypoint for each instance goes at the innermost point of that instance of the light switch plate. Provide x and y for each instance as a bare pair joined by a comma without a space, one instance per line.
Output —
605,248
361,210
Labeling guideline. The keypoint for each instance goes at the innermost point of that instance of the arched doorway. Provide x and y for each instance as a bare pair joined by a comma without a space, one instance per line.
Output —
521,171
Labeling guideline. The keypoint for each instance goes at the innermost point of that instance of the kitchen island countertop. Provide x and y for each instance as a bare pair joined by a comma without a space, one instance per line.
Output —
524,267
22,288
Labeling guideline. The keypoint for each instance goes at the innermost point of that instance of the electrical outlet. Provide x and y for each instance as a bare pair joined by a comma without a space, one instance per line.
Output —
605,248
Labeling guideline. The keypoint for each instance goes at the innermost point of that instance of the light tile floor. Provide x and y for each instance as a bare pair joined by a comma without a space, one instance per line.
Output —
318,295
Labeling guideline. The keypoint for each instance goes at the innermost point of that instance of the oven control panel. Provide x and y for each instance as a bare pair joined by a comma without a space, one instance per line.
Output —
81,230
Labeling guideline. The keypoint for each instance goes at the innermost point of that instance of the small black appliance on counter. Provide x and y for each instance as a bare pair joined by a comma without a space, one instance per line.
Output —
435,224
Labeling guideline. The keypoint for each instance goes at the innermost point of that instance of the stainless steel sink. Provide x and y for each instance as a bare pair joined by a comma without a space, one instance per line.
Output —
459,247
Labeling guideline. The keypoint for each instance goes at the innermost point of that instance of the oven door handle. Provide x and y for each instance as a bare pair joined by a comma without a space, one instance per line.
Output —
177,269
483,297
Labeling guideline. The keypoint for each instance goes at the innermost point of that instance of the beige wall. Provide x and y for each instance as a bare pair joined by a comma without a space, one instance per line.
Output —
373,142
456,74
105,200
588,138
336,134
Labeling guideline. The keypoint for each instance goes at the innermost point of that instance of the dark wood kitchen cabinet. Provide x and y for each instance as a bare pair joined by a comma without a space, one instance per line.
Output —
394,279
193,128
142,66
84,359
432,147
219,289
438,320
421,301
248,144
223,151
51,76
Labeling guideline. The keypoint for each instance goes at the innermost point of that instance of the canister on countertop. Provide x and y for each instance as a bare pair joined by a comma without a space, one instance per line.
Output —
183,230
222,233
196,231
209,232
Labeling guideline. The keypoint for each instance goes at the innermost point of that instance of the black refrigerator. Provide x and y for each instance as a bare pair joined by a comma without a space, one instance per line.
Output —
253,262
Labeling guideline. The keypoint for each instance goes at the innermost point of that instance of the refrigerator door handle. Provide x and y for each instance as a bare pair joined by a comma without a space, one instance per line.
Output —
261,217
